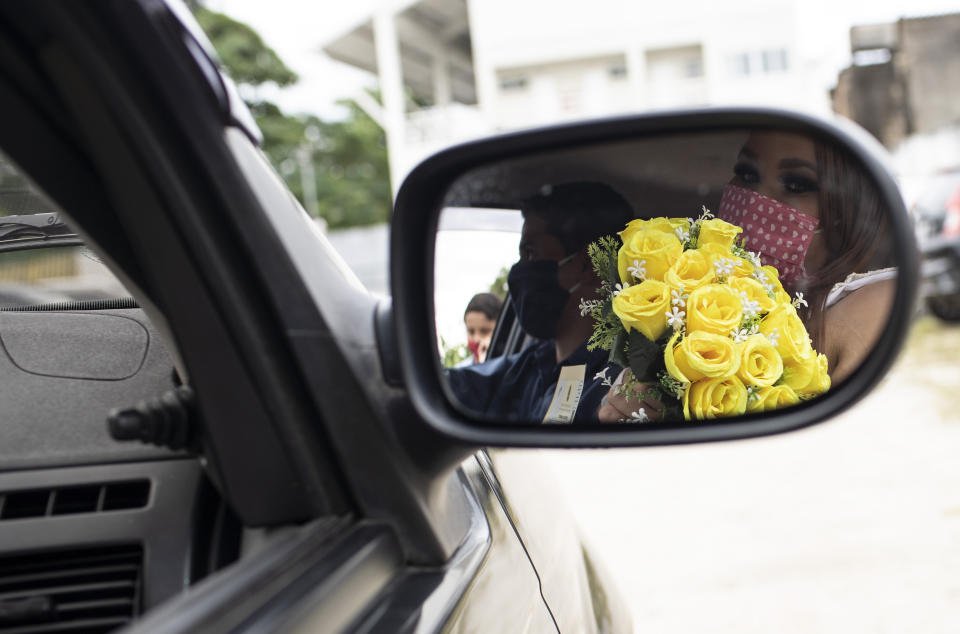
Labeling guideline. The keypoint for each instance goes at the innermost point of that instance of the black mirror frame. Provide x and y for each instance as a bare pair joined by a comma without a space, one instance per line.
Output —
412,242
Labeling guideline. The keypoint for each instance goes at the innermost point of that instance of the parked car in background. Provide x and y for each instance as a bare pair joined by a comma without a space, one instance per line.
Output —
936,217
936,212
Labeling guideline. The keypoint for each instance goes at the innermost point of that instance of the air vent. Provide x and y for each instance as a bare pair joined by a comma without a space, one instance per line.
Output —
88,498
85,590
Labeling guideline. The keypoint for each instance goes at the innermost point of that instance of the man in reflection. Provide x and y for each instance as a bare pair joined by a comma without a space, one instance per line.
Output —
554,378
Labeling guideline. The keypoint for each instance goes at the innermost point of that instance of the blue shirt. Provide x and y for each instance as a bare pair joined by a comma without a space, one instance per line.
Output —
519,387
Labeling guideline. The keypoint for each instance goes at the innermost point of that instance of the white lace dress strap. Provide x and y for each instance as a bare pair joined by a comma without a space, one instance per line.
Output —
855,281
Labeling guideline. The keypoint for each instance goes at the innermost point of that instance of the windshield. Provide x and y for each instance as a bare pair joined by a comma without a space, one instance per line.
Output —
42,260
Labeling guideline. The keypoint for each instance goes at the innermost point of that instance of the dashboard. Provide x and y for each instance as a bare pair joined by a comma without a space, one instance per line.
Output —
94,531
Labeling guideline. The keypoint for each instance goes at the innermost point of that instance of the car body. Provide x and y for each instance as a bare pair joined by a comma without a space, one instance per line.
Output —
936,214
313,531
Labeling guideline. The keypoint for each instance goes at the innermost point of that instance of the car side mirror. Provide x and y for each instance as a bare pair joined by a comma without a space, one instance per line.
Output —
672,278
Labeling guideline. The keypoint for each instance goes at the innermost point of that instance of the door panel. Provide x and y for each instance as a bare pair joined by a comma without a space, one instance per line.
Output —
574,588
505,594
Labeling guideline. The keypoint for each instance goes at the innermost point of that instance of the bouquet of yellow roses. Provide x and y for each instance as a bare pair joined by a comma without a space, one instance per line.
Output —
703,326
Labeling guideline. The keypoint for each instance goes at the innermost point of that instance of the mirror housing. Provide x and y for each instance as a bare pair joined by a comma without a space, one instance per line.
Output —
415,223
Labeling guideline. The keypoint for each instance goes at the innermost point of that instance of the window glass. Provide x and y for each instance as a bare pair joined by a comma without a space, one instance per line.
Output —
775,61
42,260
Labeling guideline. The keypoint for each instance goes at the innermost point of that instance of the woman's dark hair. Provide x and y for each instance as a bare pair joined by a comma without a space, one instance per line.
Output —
486,303
854,229
578,213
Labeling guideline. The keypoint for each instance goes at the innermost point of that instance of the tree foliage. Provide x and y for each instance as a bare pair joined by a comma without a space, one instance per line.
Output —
349,156
243,53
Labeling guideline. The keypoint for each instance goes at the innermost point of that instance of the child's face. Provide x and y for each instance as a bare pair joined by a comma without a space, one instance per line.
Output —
479,331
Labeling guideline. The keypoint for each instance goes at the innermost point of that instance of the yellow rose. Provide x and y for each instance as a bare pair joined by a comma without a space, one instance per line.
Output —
773,397
702,355
670,361
714,308
755,292
760,364
667,225
807,377
715,252
713,398
823,375
644,307
719,232
653,250
792,340
691,271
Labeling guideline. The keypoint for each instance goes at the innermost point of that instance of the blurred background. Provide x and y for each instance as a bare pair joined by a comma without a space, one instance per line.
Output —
853,525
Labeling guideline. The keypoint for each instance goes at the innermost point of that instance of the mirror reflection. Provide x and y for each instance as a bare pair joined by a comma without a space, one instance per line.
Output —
682,278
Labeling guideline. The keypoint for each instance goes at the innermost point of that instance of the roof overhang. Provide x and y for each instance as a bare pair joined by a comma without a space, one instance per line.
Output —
427,30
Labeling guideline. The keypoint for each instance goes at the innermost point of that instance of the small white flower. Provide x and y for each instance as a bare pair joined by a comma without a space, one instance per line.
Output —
723,267
754,259
675,317
750,308
799,301
602,374
742,334
638,269
586,306
761,277
774,338
639,416
677,298
682,235
619,288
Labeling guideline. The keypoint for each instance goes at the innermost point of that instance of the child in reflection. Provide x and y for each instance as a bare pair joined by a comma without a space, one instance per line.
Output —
480,318
812,213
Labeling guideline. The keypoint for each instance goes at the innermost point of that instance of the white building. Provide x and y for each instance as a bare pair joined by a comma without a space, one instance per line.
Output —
452,70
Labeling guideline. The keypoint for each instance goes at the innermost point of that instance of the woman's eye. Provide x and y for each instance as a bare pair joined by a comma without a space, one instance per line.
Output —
800,184
746,173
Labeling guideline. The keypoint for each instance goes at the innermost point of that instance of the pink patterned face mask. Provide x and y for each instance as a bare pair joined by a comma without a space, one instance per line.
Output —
779,233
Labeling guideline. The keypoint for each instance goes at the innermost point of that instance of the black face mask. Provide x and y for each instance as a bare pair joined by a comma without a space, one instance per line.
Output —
537,295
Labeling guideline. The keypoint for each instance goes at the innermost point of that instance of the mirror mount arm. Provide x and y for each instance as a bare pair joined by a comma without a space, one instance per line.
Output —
387,343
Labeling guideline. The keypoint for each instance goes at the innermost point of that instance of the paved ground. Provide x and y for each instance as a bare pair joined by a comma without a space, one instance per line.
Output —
851,526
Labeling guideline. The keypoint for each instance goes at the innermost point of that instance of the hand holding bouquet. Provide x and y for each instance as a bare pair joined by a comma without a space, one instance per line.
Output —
703,327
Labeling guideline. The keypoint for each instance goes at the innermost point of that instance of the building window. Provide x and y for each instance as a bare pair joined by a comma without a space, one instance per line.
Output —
617,71
740,64
513,83
775,61
693,67
872,56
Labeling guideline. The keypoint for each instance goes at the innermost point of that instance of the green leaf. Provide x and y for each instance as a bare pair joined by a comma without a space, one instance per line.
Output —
645,356
617,350
614,270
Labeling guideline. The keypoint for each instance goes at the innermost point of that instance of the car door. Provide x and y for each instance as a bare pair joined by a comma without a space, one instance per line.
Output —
116,113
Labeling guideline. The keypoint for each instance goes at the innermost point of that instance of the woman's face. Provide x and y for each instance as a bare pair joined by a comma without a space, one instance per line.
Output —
782,166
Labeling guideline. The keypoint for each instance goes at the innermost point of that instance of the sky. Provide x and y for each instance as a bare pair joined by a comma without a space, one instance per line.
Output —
296,29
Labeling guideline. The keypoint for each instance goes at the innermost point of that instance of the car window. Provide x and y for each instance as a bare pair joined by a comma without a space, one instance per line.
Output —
474,253
42,260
